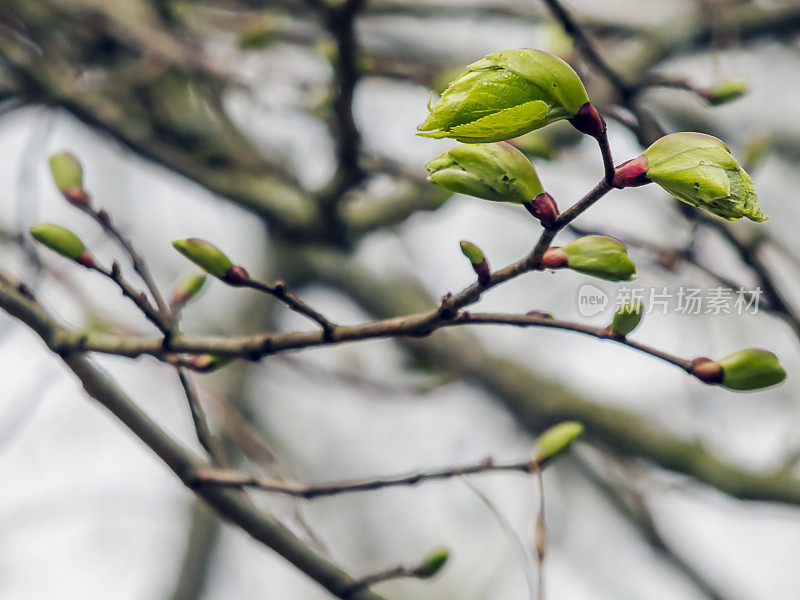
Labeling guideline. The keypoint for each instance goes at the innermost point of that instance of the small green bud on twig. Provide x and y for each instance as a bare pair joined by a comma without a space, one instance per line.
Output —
187,289
64,242
496,171
557,440
212,260
596,255
68,176
698,169
432,563
478,261
727,91
208,362
751,369
627,318
507,94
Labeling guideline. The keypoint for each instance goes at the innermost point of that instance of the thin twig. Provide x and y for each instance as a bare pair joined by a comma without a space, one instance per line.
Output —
278,290
204,434
586,46
137,297
227,478
139,265
508,529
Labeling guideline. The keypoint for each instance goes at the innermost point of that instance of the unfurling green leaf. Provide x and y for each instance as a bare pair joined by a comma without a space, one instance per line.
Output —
600,256
496,171
627,318
63,241
557,440
433,562
504,95
727,91
700,170
205,255
67,171
751,369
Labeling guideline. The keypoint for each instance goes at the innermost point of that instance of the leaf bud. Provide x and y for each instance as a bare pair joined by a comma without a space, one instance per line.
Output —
698,169
507,94
68,176
557,440
627,318
432,563
596,255
212,260
751,369
497,172
64,242
727,91
187,288
478,261
208,362
544,208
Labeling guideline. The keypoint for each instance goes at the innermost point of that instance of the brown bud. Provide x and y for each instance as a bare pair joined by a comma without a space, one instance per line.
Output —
554,258
236,275
632,173
76,196
708,371
484,272
589,121
544,208
86,259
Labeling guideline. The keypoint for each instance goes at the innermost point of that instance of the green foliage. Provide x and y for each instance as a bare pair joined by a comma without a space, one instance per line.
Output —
600,256
700,170
505,95
495,171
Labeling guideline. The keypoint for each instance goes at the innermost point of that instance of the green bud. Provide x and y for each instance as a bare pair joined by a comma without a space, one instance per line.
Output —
478,261
557,440
205,255
600,256
627,318
188,288
472,252
63,241
504,95
67,171
497,172
433,562
208,362
727,91
751,369
700,170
